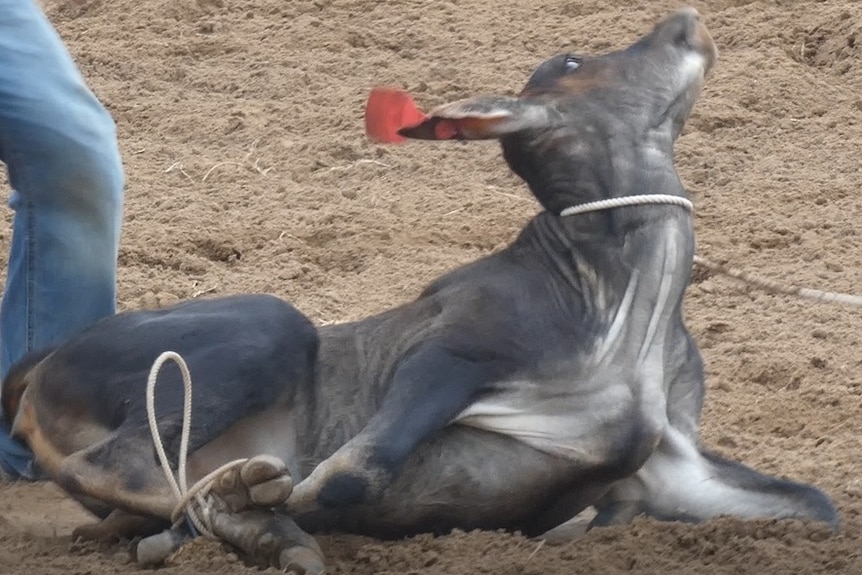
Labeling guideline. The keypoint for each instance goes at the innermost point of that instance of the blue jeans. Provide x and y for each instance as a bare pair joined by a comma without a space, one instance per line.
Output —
60,150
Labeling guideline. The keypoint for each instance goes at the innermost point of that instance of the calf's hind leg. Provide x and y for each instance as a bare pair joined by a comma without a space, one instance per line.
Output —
681,482
135,486
120,480
119,472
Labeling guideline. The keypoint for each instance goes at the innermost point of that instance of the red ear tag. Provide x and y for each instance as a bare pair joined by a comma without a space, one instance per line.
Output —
387,111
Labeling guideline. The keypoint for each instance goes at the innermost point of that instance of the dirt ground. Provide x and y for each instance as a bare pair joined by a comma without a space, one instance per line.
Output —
240,124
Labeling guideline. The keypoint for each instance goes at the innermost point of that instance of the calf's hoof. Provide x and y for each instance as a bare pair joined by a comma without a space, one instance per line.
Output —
155,549
270,540
262,481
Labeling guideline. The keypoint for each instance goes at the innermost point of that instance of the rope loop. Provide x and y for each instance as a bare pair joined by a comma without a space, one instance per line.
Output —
195,503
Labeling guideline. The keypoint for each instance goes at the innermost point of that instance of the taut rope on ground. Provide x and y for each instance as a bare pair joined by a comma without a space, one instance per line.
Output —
776,288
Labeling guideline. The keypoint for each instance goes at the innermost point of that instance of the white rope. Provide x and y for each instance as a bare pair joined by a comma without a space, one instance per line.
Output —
764,284
200,518
773,287
628,201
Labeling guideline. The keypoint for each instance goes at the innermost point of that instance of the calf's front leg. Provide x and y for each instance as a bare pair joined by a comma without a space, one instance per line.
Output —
429,388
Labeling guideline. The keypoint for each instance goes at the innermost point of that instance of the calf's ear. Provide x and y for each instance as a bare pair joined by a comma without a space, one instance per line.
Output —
391,116
480,118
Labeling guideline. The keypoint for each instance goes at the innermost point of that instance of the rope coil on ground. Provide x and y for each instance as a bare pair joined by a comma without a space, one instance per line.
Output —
191,502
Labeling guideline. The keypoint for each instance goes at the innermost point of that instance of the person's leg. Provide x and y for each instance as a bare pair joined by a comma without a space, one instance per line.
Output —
60,150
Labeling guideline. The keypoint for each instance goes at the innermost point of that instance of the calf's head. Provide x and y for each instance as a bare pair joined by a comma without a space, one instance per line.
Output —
591,127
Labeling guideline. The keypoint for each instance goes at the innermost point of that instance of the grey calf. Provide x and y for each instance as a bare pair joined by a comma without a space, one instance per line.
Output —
512,393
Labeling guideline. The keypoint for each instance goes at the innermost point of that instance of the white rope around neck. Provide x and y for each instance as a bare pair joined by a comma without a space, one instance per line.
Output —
638,200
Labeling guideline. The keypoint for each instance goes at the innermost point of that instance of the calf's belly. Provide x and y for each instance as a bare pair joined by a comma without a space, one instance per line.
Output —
271,432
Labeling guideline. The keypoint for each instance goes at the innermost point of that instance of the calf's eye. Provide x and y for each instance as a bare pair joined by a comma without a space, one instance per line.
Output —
572,63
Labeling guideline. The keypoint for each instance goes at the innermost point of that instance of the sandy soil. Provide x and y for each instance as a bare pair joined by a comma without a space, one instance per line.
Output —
240,126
